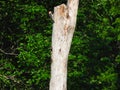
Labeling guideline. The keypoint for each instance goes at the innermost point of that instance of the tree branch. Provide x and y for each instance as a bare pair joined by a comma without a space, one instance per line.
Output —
13,54
10,78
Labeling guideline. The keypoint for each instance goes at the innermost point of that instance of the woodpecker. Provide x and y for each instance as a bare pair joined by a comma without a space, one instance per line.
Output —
51,16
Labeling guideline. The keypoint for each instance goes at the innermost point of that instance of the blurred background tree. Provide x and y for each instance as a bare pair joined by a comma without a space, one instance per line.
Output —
25,42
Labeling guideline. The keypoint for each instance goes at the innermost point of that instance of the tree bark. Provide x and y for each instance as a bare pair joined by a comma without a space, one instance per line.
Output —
63,28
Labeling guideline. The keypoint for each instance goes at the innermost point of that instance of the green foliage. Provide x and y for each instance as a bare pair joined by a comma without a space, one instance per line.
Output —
25,41
92,63
25,33
34,57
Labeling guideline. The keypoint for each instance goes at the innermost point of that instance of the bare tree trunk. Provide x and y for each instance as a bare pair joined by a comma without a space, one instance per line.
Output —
63,29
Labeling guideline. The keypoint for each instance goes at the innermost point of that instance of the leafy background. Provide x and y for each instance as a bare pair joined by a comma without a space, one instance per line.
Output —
25,45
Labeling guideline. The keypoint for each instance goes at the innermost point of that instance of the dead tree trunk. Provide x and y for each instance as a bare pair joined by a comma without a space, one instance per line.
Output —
63,28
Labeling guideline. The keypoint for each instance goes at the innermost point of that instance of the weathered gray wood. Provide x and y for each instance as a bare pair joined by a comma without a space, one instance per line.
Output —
63,29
